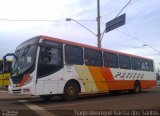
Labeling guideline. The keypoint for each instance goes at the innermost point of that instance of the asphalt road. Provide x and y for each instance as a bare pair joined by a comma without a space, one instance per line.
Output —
145,103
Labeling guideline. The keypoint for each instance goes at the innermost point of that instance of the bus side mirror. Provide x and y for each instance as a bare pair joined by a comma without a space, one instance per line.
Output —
9,54
5,60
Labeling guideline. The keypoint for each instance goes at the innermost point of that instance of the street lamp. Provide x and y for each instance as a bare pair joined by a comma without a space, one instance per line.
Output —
70,19
151,48
98,35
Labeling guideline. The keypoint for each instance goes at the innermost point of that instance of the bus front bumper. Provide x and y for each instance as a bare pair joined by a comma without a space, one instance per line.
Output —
19,90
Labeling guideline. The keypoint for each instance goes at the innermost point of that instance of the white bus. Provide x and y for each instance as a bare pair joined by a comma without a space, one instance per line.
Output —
47,66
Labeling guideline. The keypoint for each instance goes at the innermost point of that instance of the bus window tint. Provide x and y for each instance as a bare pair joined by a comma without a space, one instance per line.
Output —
52,56
136,63
151,66
73,55
93,57
145,65
110,60
124,62
50,61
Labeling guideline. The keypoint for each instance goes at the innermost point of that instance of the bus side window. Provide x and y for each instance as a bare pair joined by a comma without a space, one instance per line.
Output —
124,62
73,55
145,65
151,66
50,61
93,57
136,63
110,60
50,56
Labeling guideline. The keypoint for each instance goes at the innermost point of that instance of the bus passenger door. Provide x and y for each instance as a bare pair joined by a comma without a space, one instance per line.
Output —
49,70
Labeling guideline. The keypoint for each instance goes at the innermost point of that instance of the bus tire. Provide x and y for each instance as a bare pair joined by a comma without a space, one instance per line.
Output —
46,97
70,91
136,89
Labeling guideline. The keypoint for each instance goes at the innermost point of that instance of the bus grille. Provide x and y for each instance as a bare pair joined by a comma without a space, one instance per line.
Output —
16,91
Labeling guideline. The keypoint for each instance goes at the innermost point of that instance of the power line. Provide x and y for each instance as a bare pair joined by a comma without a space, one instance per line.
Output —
119,9
123,8
102,35
27,20
131,36
135,38
37,20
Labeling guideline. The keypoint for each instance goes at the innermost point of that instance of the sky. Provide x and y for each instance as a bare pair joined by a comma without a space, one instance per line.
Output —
24,19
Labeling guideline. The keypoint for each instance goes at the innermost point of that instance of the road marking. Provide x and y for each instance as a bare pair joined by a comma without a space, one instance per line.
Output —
83,103
37,109
71,104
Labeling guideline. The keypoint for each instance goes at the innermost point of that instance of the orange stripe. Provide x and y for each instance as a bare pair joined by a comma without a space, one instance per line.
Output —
129,84
25,79
86,78
148,83
107,74
98,78
116,84
121,84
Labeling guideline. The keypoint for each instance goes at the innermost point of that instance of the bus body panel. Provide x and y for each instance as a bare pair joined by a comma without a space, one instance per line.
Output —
49,84
86,78
92,79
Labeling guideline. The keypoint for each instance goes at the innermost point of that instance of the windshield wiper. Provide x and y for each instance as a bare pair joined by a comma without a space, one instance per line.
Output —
25,50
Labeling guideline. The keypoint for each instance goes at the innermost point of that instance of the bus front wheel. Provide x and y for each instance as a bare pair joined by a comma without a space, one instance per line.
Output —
70,91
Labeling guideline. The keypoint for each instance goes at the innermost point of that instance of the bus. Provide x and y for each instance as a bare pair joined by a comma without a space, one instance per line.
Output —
47,66
5,73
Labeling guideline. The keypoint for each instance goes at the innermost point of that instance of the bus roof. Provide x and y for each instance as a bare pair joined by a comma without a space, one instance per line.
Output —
88,46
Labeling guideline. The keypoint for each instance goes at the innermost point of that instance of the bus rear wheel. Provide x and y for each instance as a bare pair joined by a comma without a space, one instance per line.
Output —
137,88
70,91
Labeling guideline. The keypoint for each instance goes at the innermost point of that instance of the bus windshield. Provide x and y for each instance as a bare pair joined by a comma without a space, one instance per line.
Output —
24,60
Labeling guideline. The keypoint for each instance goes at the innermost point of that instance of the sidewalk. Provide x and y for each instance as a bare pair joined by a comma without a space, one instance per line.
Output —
5,96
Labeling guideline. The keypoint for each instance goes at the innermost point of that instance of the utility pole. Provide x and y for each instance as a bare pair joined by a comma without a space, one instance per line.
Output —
158,74
98,35
98,25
